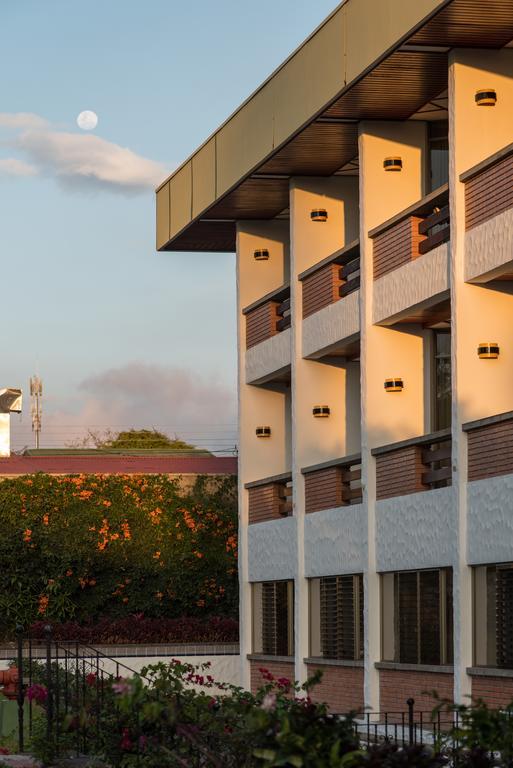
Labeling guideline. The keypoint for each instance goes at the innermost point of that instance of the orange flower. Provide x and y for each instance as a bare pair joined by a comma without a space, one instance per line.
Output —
199,555
46,519
107,503
125,599
126,530
156,555
200,603
92,582
27,535
159,595
69,572
43,604
114,536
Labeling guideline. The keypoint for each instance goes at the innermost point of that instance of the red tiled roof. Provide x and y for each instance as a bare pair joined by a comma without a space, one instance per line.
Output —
119,465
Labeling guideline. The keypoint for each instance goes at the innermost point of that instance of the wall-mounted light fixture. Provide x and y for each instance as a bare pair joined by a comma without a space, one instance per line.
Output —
261,254
393,164
321,411
486,97
263,431
319,214
394,385
488,350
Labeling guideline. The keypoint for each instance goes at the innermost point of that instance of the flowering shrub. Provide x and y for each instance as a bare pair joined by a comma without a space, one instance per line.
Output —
85,547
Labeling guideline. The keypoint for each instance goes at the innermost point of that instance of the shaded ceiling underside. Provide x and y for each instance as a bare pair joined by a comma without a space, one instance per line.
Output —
395,89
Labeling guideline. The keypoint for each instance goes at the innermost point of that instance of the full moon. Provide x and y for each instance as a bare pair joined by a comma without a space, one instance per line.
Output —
87,120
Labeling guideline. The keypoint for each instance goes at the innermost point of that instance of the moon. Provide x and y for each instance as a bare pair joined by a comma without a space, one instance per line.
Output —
87,120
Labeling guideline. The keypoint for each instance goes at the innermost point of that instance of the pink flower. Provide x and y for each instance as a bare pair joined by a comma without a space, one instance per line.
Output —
91,679
37,693
283,682
269,702
126,741
121,687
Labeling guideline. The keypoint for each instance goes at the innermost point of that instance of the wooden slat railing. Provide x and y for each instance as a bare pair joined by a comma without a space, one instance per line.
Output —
331,279
411,233
270,498
490,446
335,483
410,466
488,187
267,316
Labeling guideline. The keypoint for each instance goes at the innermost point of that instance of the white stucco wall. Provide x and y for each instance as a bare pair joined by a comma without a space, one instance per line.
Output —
416,531
268,357
336,541
272,550
489,246
490,520
332,324
417,282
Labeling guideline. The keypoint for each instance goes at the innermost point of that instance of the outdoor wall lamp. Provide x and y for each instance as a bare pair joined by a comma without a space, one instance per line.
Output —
488,350
263,431
321,411
394,385
393,163
319,214
261,254
486,97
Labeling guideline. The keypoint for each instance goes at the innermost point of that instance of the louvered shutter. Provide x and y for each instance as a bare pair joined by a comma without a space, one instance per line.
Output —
504,617
341,600
429,614
407,617
275,618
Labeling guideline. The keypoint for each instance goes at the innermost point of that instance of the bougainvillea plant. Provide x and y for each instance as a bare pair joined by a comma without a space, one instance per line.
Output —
85,547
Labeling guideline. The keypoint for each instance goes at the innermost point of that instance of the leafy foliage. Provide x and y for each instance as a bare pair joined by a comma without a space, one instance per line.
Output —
90,546
131,439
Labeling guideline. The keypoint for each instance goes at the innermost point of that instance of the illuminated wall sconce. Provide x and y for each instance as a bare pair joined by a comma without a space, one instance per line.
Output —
263,431
488,350
319,214
321,411
486,97
393,164
394,385
261,254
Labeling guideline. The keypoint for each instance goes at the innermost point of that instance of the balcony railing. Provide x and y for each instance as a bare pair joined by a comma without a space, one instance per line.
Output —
488,187
267,316
270,498
331,279
415,465
490,446
411,233
335,483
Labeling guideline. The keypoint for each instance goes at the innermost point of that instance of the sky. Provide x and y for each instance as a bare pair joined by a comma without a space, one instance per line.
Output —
122,336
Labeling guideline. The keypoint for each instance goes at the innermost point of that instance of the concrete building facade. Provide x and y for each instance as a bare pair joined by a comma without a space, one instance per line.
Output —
366,189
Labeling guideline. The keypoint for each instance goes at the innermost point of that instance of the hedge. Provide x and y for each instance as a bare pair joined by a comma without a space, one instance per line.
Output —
86,547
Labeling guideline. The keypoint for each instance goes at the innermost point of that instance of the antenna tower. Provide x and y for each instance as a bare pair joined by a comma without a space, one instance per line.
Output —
36,409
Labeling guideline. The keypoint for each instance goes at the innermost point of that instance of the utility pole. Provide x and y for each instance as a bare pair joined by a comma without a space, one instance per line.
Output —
36,409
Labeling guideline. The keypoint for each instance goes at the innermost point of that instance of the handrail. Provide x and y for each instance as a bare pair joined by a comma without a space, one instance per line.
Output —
278,294
433,437
422,207
342,256
487,421
475,170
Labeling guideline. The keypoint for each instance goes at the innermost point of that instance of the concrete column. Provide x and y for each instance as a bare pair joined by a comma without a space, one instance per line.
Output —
316,440
478,313
257,406
385,352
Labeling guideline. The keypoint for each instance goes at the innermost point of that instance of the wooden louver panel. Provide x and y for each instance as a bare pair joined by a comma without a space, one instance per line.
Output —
400,472
407,618
396,246
342,617
489,193
261,323
504,617
429,611
321,289
490,450
275,618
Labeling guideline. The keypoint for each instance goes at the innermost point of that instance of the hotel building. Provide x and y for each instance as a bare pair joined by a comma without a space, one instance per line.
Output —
367,190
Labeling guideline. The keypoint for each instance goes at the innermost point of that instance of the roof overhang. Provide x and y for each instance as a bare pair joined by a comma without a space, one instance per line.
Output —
369,60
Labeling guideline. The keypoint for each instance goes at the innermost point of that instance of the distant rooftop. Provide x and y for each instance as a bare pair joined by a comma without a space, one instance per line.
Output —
116,452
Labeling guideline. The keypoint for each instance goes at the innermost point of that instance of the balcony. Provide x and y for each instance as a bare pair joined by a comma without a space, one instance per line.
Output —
411,261
268,341
335,523
415,465
272,548
490,488
330,289
489,218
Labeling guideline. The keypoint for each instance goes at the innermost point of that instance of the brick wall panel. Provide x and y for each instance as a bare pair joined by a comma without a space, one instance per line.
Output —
489,193
397,686
396,246
495,691
341,688
490,451
321,289
400,472
277,668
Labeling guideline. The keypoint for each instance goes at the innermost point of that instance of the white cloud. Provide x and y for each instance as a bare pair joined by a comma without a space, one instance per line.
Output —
22,120
11,166
83,162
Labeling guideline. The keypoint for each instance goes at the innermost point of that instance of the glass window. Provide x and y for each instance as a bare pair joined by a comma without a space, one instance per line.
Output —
417,617
493,616
336,617
442,379
273,618
438,133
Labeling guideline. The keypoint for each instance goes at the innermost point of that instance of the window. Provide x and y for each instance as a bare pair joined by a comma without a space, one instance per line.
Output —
336,617
417,617
493,616
442,379
273,618
438,153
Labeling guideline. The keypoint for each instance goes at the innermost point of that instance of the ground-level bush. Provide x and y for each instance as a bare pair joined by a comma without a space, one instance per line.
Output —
90,546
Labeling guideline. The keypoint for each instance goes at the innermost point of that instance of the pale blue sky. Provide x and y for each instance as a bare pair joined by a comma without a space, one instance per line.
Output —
86,297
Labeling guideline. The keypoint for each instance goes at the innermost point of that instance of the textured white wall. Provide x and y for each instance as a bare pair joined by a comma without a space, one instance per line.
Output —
335,323
490,520
418,282
416,531
272,550
336,541
268,357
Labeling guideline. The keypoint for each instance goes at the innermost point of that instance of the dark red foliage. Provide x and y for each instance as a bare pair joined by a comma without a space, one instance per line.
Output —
140,629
